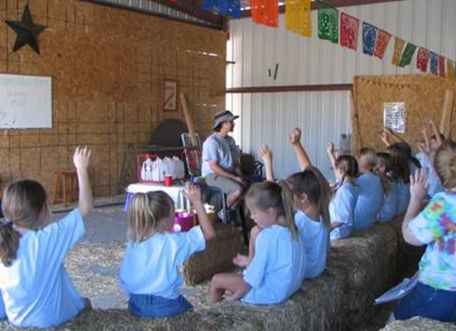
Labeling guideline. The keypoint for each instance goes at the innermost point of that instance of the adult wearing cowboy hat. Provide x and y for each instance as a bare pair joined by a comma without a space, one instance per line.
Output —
221,158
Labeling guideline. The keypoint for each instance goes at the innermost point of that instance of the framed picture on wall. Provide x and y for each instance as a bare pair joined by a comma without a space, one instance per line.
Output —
170,95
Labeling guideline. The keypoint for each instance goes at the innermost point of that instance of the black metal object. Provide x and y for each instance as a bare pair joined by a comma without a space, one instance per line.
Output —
168,133
27,31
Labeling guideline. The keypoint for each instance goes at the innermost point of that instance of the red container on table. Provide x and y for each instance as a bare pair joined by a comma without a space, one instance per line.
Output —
183,221
168,181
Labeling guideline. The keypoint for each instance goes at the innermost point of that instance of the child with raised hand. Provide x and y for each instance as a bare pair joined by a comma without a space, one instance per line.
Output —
34,284
311,193
371,195
276,270
150,268
344,195
434,296
388,175
428,148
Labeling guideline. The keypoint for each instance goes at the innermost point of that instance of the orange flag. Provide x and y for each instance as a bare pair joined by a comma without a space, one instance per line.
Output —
265,12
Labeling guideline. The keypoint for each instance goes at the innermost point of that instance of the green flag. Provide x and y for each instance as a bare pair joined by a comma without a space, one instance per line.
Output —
328,23
407,55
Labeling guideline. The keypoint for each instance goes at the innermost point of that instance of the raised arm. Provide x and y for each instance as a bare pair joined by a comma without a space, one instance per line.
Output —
332,156
417,195
193,192
266,155
436,133
81,160
295,140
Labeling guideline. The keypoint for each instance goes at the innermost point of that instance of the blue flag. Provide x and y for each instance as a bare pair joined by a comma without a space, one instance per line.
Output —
434,59
224,7
369,38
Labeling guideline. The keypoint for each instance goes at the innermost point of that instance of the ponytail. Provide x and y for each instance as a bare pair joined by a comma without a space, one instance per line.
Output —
312,182
267,195
9,243
287,207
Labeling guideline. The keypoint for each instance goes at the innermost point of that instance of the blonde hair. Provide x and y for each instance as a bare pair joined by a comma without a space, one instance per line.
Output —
445,164
277,196
145,212
368,157
24,205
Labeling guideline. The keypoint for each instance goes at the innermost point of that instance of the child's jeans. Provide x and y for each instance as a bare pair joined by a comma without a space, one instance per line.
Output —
151,306
429,302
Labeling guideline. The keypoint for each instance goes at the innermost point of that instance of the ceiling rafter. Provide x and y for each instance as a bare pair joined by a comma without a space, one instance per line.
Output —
192,8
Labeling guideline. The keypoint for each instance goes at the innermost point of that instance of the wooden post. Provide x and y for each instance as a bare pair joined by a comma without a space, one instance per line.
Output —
447,109
356,134
188,119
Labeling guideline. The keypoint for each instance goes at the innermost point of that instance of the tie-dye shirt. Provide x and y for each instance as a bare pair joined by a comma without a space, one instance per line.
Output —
436,227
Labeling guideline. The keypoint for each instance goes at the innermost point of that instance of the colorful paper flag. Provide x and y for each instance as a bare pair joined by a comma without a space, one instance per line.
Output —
381,43
398,46
298,17
349,28
450,71
407,55
441,66
328,23
265,12
223,7
422,59
434,59
369,37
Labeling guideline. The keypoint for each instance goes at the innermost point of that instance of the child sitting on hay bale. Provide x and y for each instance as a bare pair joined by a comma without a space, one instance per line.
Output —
371,195
389,175
36,289
277,267
311,192
150,268
345,194
435,294
400,160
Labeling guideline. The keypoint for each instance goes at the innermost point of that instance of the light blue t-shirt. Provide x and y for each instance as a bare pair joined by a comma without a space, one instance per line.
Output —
315,238
342,209
220,149
370,200
151,267
36,288
277,269
390,205
403,196
434,184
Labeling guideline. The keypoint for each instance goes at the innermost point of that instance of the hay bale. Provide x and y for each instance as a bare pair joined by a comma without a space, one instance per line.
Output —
217,257
359,269
419,324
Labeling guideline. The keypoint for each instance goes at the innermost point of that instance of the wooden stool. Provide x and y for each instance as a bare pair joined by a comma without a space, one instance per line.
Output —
66,187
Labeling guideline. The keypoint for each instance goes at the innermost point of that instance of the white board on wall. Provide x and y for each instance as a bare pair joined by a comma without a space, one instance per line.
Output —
25,101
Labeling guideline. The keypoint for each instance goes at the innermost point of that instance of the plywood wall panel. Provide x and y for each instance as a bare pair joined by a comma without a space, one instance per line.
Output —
108,66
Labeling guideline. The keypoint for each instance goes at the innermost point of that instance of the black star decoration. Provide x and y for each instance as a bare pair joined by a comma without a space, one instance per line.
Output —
27,31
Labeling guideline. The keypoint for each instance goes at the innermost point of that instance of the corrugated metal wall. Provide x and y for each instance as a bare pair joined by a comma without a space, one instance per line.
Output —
266,118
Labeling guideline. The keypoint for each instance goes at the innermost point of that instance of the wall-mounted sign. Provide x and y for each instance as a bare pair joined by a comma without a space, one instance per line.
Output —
394,116
169,95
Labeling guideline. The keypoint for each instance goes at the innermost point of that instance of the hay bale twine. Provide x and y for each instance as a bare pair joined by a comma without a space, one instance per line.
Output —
217,257
419,324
